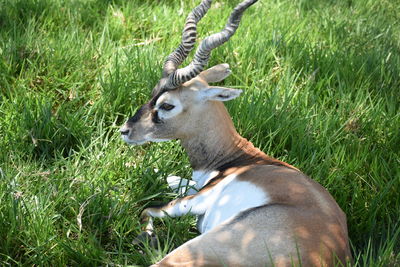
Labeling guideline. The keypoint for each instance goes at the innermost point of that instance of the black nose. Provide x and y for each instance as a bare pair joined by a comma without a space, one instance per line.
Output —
124,132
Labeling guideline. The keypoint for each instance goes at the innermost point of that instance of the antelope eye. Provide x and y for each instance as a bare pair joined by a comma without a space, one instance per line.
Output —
166,106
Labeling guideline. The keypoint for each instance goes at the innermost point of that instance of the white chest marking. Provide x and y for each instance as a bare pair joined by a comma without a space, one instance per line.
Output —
202,178
221,202
182,186
227,199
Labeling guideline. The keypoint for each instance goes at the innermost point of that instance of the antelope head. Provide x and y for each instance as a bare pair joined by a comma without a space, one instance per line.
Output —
183,104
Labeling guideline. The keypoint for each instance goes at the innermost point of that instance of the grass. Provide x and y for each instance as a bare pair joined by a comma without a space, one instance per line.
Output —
321,82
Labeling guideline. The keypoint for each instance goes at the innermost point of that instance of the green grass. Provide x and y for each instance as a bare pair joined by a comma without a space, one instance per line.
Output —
321,84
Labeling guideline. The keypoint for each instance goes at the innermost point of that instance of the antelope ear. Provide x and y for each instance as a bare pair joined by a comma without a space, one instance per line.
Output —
219,93
216,73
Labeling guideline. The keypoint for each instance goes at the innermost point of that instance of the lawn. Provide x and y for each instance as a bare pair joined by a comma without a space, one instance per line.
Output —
321,81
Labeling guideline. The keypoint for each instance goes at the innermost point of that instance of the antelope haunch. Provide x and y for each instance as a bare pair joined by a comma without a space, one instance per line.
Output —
253,210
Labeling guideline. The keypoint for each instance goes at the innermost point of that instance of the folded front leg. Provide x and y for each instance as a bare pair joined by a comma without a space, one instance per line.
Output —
194,204
181,186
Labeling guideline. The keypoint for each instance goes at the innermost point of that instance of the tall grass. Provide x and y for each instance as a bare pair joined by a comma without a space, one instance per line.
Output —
321,82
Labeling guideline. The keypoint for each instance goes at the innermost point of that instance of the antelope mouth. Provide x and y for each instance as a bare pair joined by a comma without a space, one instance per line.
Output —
133,142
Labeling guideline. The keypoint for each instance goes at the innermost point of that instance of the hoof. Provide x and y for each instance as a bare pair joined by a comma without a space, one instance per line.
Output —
146,238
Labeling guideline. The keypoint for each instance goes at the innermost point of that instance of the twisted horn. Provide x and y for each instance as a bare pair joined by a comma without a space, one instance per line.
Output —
180,76
188,38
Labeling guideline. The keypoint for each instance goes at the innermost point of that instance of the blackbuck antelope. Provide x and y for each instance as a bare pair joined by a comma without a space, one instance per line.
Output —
253,210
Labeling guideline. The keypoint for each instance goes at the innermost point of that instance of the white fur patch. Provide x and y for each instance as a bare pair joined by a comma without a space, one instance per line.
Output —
227,199
218,204
202,178
155,140
169,99
181,186
219,93
130,142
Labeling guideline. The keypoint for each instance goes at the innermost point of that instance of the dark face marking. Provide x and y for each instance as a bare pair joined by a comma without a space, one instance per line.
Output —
138,115
147,108
155,118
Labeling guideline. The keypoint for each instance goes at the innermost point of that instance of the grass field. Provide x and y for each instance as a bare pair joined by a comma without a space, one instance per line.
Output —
321,82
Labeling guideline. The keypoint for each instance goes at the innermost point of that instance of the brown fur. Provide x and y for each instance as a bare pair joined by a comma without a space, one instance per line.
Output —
300,223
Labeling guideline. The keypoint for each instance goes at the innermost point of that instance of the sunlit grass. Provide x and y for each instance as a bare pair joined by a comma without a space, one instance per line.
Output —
321,86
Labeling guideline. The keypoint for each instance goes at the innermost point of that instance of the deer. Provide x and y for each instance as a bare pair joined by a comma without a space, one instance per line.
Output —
252,209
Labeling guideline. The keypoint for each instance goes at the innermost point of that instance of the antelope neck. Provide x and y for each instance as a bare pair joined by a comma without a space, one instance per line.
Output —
219,147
